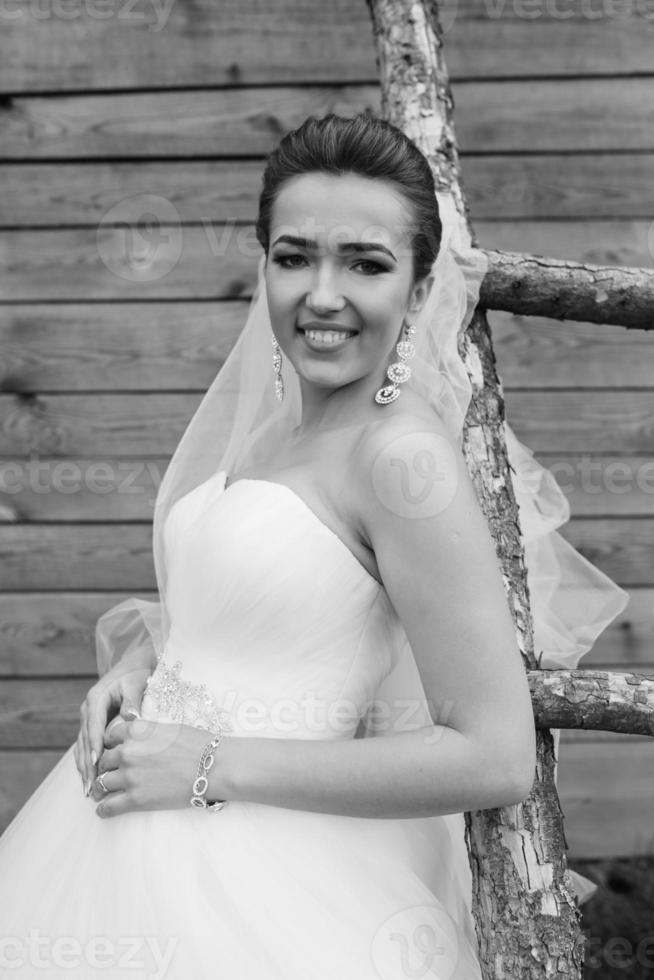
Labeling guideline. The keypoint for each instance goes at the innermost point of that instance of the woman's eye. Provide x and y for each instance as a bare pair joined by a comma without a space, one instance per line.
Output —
282,259
375,266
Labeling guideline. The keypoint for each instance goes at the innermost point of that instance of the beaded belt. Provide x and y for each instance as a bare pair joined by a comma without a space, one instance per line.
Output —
183,701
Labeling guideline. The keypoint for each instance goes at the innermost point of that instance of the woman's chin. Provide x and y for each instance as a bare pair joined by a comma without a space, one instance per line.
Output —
321,375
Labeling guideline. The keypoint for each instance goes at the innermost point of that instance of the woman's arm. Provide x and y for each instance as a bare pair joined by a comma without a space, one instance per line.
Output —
438,564
422,773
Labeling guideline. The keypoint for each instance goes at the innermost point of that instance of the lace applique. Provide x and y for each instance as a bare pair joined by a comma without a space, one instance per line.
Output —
182,701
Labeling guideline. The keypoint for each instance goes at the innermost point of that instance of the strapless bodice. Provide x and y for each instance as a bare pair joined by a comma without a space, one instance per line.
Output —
277,628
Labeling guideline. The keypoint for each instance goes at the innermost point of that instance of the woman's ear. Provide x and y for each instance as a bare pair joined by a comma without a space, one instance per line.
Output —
420,293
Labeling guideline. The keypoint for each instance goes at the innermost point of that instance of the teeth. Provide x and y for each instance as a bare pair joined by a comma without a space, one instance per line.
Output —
328,336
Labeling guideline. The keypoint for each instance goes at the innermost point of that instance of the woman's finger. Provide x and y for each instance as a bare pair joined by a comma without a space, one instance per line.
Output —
86,711
108,761
115,733
98,713
129,711
125,697
83,749
114,804
112,779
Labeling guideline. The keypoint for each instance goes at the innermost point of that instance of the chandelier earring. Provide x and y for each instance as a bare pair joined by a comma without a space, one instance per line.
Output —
277,368
399,371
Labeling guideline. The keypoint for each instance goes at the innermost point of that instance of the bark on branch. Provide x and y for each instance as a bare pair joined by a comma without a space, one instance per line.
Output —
597,700
533,285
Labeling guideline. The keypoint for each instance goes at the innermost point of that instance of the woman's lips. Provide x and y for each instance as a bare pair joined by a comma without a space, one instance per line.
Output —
326,340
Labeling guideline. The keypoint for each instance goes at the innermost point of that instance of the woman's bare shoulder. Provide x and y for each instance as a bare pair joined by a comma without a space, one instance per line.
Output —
409,415
401,453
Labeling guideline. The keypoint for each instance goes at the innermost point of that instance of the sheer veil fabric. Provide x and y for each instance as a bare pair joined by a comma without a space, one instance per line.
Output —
240,421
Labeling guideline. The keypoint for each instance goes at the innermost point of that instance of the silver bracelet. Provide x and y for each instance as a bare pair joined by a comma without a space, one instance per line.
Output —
201,783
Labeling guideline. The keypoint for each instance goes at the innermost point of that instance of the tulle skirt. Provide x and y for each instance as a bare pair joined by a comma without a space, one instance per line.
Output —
253,891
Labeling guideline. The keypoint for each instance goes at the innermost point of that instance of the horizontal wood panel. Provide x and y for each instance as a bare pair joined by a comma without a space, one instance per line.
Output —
160,45
535,352
579,185
41,713
81,489
54,633
572,185
84,556
209,262
145,425
628,642
606,791
163,346
82,194
597,485
119,556
582,421
219,261
548,116
622,548
616,243
119,425
91,488
607,797
580,736
137,346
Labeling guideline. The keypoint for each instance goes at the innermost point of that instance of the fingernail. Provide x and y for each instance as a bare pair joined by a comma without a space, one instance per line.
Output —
94,757
88,787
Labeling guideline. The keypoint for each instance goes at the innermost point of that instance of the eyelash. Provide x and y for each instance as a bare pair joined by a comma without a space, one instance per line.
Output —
280,259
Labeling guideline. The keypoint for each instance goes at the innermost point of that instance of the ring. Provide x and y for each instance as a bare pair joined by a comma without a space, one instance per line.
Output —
100,779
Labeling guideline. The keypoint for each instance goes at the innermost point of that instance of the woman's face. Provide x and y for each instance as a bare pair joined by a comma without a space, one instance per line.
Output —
340,258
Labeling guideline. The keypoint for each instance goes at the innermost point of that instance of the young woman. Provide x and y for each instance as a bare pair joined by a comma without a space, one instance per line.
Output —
332,611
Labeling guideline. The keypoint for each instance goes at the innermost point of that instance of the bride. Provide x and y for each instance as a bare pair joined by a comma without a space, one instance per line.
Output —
326,578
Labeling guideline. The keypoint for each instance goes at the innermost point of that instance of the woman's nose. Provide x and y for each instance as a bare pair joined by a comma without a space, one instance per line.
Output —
325,295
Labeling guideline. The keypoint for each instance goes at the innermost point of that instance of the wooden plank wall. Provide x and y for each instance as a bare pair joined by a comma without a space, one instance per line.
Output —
130,154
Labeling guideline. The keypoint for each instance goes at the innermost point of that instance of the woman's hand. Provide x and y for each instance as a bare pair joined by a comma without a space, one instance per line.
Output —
150,765
119,691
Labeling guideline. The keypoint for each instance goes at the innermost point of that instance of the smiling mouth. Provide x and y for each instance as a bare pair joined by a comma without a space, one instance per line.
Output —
325,339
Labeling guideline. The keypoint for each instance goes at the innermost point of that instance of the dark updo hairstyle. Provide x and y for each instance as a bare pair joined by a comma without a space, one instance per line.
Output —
366,145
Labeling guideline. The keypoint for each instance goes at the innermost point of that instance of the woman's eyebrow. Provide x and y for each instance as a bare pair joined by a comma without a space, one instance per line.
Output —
342,247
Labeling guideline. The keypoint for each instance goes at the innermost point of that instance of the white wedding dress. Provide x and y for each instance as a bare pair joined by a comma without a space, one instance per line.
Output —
269,608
